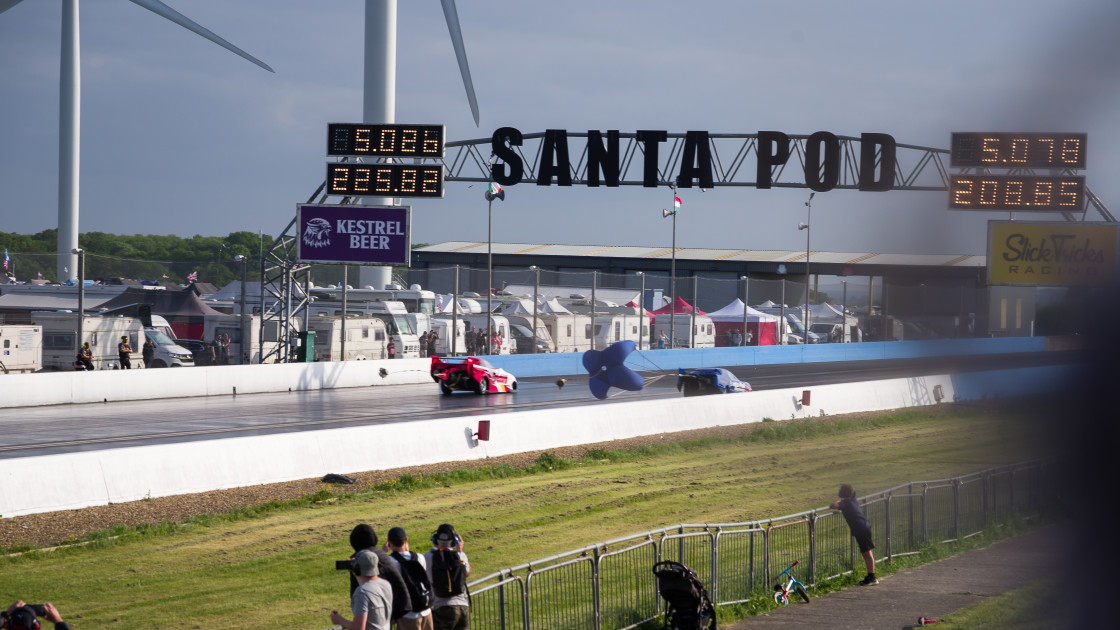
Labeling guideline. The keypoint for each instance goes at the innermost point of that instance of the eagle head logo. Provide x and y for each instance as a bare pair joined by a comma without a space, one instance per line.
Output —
317,233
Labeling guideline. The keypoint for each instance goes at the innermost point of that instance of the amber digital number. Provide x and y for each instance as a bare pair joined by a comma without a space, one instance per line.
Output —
385,180
388,140
1015,193
1018,150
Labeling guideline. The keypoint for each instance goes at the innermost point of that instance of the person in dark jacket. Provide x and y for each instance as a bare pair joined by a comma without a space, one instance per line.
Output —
861,529
364,537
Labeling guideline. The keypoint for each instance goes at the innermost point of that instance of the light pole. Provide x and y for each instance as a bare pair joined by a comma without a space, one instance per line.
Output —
642,310
81,254
493,191
805,226
746,309
844,313
246,345
672,279
536,291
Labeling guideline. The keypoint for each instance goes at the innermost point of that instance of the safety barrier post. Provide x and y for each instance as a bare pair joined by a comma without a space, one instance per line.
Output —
813,548
888,536
715,565
925,521
596,604
956,508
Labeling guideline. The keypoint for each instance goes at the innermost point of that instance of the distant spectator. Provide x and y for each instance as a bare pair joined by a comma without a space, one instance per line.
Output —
736,338
663,340
225,349
85,357
215,349
424,345
391,349
124,352
362,537
22,616
148,351
433,337
750,336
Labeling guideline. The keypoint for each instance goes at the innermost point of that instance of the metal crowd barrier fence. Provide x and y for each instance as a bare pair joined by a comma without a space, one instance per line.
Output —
610,585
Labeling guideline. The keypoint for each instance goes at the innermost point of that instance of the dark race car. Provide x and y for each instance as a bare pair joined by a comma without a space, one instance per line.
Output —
701,381
472,374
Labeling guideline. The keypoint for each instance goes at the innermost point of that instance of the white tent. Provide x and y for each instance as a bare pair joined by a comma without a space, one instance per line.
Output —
822,313
520,308
554,307
733,312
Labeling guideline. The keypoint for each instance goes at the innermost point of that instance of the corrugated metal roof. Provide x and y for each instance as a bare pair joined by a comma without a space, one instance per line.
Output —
736,255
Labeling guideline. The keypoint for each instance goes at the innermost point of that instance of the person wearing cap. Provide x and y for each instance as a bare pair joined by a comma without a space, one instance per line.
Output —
21,616
85,357
372,603
452,612
397,547
123,350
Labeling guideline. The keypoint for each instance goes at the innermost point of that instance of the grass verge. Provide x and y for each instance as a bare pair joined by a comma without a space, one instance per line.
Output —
272,565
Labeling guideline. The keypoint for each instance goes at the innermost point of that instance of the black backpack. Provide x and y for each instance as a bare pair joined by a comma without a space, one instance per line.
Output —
416,579
449,575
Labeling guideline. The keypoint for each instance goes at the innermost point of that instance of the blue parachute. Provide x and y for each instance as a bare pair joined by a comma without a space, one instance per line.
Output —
607,370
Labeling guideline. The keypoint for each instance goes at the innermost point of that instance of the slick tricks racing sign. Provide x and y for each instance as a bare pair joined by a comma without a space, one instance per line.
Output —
357,235
1052,253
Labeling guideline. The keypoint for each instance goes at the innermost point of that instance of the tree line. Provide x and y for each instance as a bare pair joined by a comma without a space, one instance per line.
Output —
151,257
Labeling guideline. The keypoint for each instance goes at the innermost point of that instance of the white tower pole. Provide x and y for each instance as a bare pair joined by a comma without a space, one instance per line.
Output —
69,138
380,80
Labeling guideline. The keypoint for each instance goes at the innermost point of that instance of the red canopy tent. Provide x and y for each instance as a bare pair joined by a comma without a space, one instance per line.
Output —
763,327
680,306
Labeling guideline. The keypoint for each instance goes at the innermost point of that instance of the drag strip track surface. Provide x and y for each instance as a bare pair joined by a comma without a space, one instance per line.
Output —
71,428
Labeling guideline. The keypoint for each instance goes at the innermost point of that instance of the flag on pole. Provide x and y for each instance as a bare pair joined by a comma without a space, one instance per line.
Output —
676,203
40,275
164,275
6,259
494,191
192,276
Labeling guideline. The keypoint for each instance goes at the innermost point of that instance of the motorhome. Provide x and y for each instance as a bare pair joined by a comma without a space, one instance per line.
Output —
442,327
21,349
60,338
231,325
393,313
366,338
681,330
611,328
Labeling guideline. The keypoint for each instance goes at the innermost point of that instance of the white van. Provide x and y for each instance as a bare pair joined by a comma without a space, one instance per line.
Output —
167,353
60,338
704,336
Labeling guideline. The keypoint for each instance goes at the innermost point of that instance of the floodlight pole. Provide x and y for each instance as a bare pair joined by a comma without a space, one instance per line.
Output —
808,289
672,276
246,341
641,310
489,274
536,291
80,255
743,337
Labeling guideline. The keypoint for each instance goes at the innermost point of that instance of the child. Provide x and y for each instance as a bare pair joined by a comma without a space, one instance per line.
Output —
861,530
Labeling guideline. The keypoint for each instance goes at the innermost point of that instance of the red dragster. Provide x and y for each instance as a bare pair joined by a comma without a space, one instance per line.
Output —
471,374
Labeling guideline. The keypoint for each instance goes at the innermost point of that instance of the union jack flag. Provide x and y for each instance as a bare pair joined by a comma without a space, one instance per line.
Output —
192,276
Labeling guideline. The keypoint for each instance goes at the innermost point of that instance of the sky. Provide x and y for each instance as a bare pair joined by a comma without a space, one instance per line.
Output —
180,136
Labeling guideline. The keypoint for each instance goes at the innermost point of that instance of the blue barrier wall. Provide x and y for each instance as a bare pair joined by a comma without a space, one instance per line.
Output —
526,365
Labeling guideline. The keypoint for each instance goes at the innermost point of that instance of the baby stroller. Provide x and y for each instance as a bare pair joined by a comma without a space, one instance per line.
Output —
687,604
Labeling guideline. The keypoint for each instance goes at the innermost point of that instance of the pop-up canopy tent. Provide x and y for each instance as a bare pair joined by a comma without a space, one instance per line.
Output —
763,327
680,306
182,309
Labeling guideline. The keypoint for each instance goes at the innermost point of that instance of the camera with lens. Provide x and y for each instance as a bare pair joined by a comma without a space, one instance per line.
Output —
25,617
344,565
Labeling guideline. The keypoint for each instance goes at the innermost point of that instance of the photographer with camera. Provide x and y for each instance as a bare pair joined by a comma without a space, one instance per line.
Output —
414,571
448,569
362,537
372,602
23,616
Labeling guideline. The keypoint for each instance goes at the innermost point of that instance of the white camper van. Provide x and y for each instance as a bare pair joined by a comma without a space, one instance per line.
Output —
500,326
704,335
21,349
60,338
441,324
393,313
611,328
366,338
231,325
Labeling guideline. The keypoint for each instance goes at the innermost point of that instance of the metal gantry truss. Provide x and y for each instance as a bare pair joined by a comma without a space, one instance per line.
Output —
916,168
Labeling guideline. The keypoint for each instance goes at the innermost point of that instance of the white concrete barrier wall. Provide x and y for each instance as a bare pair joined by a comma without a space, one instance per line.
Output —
76,480
26,390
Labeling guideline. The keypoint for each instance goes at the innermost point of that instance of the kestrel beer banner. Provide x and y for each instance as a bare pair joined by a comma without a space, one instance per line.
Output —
353,234
1052,254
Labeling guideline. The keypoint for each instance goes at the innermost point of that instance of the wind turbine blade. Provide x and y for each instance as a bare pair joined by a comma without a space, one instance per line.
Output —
164,11
452,17
7,4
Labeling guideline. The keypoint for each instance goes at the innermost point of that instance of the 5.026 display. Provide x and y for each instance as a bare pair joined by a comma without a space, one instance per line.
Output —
384,140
